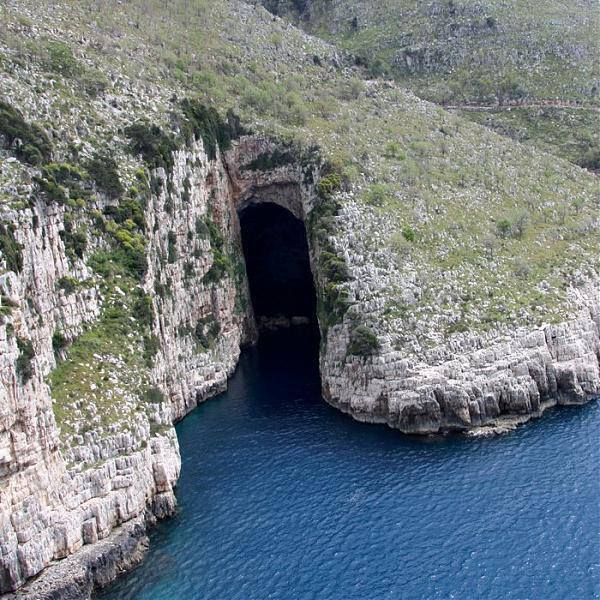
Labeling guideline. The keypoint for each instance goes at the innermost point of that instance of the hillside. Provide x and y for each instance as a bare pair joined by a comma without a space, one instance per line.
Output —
456,270
540,55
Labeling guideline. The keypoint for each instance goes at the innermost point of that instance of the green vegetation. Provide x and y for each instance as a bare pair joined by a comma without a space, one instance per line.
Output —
25,359
34,147
58,58
571,133
171,247
59,342
155,146
103,170
68,284
155,395
63,182
128,210
222,264
332,297
271,160
464,52
363,342
102,377
75,240
206,332
204,122
11,250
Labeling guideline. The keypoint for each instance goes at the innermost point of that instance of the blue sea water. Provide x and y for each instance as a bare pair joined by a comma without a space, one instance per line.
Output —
282,497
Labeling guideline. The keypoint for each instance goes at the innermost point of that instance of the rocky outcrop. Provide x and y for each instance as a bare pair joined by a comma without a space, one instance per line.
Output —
64,491
93,567
88,454
486,382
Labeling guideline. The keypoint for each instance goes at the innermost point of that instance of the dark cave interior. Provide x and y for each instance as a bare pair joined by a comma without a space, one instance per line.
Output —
277,263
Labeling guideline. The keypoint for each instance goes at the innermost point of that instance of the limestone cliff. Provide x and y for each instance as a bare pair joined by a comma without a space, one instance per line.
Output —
124,299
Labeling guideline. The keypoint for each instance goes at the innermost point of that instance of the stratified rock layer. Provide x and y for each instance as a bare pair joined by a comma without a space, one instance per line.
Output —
476,381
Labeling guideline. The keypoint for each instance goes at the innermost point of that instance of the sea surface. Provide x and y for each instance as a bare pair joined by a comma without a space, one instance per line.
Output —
283,497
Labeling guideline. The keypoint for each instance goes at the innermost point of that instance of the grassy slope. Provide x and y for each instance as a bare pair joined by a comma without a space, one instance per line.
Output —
453,184
474,51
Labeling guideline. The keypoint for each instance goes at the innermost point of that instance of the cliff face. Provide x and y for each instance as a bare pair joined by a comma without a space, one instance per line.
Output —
87,479
485,383
409,374
69,484
124,299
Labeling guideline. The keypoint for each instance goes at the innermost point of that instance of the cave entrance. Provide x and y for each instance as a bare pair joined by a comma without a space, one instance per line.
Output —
278,267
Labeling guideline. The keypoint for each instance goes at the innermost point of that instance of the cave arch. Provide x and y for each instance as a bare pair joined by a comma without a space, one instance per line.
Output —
277,257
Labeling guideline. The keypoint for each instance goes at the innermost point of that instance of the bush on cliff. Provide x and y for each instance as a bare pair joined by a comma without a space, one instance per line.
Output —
25,359
29,142
11,250
363,342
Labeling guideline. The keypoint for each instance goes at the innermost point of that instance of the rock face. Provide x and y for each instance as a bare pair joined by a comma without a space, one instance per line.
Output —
64,491
476,381
78,493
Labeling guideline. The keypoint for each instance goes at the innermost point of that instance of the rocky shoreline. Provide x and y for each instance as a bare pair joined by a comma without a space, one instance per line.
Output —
124,298
81,574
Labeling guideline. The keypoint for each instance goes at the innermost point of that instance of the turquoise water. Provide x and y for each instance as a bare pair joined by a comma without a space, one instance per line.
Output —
282,497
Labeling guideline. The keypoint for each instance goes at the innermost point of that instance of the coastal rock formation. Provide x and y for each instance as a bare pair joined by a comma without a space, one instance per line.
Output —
493,380
124,297
64,493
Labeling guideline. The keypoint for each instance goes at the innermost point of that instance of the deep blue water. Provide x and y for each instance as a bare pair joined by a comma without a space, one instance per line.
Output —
282,497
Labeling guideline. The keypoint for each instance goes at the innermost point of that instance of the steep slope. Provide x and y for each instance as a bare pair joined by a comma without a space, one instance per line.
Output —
540,56
457,272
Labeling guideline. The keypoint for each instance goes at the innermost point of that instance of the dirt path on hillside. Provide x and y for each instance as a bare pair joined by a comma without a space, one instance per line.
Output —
509,106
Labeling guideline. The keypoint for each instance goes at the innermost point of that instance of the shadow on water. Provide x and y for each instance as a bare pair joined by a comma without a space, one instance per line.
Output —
281,496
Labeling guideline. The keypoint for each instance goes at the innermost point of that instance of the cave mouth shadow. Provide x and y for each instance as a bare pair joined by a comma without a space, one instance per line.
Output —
280,279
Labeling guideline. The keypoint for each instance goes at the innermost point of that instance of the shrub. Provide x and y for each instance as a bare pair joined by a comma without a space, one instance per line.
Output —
204,122
151,348
378,194
202,229
142,309
503,228
154,395
67,284
221,266
408,233
57,178
155,146
333,303
59,59
75,242
207,331
10,248
393,150
270,160
171,247
35,147
103,170
52,190
59,342
514,227
94,82
24,363
329,184
590,159
363,342
333,267
128,209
